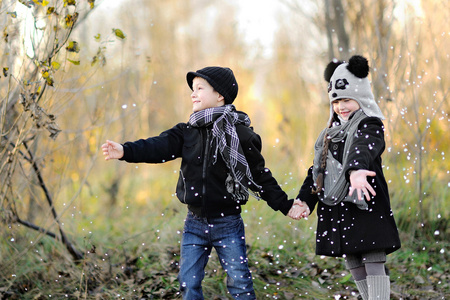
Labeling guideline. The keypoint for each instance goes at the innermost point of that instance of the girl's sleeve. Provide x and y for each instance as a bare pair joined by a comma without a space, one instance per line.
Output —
367,147
165,147
271,191
305,191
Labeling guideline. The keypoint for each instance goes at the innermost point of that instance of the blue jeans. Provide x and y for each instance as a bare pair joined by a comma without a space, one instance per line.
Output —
227,236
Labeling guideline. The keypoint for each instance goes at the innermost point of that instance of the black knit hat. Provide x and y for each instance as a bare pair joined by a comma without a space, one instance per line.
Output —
221,79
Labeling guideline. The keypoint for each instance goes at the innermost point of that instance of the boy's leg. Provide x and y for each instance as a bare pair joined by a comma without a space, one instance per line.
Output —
195,251
228,237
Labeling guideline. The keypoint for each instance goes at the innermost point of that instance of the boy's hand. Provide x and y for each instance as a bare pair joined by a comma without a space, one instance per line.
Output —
299,210
112,150
358,182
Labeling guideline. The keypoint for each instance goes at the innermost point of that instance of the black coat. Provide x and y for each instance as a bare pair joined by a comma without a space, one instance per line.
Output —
344,228
201,184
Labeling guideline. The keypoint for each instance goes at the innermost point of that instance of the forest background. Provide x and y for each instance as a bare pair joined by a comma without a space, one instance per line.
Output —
77,72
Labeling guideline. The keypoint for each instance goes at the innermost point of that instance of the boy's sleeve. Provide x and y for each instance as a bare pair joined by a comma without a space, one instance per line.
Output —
271,191
305,191
366,147
165,147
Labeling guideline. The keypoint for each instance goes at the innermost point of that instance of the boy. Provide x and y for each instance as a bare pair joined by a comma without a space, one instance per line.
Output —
221,161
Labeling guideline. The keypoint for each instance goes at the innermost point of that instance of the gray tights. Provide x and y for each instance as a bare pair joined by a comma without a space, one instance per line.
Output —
371,269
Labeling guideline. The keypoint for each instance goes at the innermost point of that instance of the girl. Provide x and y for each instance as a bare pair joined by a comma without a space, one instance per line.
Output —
346,181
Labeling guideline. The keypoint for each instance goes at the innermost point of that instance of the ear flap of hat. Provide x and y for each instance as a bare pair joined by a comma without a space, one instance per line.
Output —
329,70
358,66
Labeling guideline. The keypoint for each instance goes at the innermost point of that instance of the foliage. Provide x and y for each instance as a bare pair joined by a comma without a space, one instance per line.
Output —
34,54
145,265
83,82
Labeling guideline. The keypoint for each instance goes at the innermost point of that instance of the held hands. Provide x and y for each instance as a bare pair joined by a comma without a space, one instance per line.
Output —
358,182
112,150
299,210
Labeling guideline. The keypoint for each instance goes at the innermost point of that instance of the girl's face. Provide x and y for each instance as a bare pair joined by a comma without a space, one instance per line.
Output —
204,96
345,107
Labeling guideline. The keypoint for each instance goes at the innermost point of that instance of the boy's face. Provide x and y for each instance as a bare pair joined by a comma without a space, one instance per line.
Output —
204,96
345,107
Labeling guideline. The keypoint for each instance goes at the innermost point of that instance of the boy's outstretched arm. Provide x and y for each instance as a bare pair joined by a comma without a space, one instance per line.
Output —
112,150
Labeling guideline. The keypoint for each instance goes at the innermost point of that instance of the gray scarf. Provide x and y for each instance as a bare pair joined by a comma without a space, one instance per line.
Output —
336,187
226,142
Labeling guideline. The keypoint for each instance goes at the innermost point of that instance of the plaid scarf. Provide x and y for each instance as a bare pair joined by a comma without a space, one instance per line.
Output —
226,141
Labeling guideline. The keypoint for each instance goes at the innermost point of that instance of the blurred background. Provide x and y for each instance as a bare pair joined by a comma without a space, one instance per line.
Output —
78,72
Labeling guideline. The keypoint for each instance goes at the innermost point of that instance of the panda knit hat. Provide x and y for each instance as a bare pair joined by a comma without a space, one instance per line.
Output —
349,81
221,79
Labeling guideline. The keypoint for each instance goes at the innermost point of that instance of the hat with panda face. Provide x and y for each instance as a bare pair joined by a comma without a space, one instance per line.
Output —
349,81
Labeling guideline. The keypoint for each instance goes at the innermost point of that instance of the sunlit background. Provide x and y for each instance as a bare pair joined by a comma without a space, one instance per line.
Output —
118,72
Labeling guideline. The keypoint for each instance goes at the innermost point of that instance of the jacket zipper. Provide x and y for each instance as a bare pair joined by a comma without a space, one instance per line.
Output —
204,171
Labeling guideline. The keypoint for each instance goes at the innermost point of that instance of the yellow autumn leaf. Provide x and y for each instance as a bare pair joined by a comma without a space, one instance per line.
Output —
97,37
75,62
49,81
73,47
69,2
56,65
70,20
26,3
5,34
119,33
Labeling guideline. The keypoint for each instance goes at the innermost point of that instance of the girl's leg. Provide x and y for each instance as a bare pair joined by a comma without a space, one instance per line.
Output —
377,281
375,269
379,287
358,271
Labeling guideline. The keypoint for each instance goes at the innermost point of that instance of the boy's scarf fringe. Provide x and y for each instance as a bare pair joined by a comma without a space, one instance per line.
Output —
226,140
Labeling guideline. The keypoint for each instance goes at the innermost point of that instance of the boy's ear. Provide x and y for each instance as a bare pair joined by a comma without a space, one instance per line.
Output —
220,98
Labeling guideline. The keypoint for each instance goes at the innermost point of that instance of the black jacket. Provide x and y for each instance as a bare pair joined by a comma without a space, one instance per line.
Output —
201,184
344,228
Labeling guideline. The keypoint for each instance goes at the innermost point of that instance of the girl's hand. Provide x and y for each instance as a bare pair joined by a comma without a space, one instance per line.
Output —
112,150
298,210
358,182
